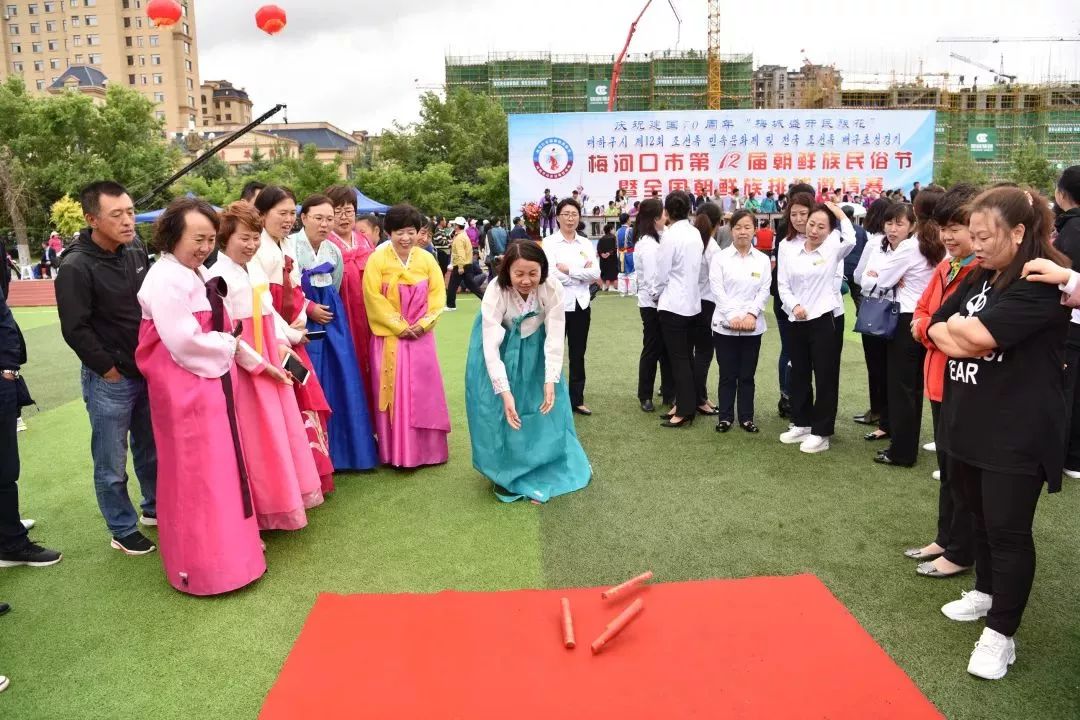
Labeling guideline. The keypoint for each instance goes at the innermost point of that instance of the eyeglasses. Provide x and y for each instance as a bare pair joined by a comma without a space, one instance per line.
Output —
322,219
569,216
344,212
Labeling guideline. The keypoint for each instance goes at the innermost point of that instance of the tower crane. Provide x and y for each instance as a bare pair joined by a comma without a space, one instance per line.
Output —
616,70
1008,39
998,74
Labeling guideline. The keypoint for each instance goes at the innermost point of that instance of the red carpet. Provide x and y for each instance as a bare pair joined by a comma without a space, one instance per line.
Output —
757,648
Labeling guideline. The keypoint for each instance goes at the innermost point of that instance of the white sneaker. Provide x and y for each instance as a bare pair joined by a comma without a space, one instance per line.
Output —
814,444
4,682
1074,474
449,309
930,447
971,606
795,435
148,521
20,425
28,524
936,475
992,656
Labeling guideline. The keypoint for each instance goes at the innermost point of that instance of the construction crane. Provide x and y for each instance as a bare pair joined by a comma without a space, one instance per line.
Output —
715,87
1008,39
998,74
616,69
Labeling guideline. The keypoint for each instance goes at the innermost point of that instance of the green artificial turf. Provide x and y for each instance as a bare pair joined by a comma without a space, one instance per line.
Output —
103,636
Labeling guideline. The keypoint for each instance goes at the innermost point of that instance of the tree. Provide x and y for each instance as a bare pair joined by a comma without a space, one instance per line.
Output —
1030,167
432,189
958,166
213,168
67,216
493,191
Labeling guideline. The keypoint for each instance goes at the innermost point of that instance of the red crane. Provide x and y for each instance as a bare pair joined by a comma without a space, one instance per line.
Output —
616,70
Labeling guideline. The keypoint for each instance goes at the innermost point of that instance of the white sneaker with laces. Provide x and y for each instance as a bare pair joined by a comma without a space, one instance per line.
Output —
20,425
814,444
930,447
28,524
1074,474
4,682
936,475
795,435
992,656
970,607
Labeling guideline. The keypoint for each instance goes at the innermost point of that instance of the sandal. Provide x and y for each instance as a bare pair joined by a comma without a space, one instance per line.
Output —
723,426
749,426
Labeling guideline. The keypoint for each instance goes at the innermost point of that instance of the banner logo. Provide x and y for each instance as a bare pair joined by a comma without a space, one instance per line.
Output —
553,158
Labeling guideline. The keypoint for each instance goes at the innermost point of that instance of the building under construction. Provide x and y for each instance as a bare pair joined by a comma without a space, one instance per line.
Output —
544,83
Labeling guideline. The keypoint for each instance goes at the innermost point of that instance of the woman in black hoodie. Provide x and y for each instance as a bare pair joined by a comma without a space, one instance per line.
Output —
1068,242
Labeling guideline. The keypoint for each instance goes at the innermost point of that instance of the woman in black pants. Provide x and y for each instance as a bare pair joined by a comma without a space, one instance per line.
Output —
910,252
807,282
874,347
1003,409
708,218
739,276
648,227
678,269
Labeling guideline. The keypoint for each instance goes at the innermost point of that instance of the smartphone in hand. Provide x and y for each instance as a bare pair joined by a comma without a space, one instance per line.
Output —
297,369
316,334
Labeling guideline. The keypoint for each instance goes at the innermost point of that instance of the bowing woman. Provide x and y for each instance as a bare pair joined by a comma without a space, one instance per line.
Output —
281,469
405,294
807,284
520,421
352,442
1003,409
740,278
276,258
648,227
208,533
678,271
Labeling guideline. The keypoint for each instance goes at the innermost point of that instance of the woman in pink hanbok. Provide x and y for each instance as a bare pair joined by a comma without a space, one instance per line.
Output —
208,534
405,295
276,258
355,249
284,480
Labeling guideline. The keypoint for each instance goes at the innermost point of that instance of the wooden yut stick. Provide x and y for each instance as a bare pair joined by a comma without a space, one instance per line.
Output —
619,624
628,585
567,624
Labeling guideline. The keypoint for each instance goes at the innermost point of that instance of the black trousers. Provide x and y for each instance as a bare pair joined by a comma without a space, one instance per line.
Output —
904,375
1003,509
737,356
703,350
577,342
783,362
1072,401
815,362
467,280
12,533
677,331
876,357
652,353
954,526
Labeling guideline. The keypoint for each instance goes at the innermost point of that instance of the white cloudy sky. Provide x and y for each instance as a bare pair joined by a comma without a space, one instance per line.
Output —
363,65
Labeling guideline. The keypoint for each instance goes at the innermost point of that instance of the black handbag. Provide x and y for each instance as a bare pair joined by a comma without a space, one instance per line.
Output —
879,315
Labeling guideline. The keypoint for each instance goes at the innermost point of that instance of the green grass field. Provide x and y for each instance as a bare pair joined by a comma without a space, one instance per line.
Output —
102,635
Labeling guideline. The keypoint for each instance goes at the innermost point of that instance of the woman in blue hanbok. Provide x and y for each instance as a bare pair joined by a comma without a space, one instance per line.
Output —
352,442
520,421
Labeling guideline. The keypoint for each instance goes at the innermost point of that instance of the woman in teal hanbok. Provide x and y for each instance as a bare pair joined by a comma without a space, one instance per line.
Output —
520,421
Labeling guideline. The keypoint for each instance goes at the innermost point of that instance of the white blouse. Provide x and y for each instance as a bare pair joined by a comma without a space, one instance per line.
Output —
501,306
902,263
870,249
575,254
645,256
678,270
741,284
271,260
808,278
704,286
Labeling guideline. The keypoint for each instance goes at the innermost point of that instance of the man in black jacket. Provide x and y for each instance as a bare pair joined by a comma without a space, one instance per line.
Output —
1067,196
96,293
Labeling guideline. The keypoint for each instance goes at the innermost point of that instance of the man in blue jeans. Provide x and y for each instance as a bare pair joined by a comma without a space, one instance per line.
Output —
96,291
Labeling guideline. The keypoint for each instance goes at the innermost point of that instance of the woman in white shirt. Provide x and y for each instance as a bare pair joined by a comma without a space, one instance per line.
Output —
520,420
807,285
739,277
707,219
678,270
906,264
573,262
874,347
648,227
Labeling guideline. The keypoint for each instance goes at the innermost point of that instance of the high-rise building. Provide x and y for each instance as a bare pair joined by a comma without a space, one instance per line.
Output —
41,39
811,86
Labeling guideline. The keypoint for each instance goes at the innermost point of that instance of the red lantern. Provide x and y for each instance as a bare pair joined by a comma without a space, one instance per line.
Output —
270,19
164,13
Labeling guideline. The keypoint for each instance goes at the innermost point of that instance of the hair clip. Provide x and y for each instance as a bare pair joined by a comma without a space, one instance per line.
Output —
1031,202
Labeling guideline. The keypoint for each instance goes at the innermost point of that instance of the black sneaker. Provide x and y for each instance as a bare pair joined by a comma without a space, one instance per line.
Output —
134,544
30,554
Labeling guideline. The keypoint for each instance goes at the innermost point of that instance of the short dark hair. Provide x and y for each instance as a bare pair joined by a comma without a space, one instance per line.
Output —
529,251
1069,183
171,225
822,207
608,227
796,188
271,196
315,201
250,189
341,196
239,213
565,202
798,199
739,215
677,205
953,208
517,219
90,196
874,222
403,216
645,222
371,220
624,218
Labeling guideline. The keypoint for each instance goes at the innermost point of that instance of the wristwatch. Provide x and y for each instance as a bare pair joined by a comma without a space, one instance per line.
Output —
10,374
